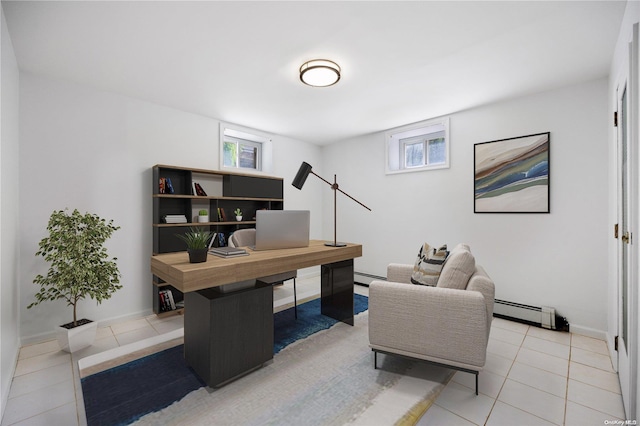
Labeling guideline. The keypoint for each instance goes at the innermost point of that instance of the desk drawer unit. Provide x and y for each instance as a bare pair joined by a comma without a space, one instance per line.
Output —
227,335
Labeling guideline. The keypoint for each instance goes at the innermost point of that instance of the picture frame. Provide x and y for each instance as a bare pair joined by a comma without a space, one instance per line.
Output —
512,175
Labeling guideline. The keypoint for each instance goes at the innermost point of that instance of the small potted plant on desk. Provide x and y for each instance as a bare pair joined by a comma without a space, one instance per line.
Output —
238,214
79,268
197,244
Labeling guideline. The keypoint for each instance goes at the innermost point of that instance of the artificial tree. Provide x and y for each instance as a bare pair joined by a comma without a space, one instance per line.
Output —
79,264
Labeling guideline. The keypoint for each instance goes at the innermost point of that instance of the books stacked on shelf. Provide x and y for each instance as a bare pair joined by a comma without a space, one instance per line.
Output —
166,300
165,186
175,218
228,251
197,189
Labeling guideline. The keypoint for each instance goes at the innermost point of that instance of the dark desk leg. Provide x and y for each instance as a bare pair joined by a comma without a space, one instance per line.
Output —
337,291
227,335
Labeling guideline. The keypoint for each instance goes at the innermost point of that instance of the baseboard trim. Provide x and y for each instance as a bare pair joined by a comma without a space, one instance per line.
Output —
589,332
51,335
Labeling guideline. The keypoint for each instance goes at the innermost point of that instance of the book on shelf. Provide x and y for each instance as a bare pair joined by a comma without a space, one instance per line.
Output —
175,218
222,216
200,191
167,302
213,241
197,189
172,302
165,186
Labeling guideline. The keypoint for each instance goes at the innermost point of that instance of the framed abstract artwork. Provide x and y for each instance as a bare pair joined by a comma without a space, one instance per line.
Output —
512,175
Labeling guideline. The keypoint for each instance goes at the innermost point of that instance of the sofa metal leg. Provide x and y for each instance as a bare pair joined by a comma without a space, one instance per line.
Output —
477,384
466,370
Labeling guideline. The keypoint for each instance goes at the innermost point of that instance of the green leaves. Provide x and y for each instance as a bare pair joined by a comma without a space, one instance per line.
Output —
195,238
79,263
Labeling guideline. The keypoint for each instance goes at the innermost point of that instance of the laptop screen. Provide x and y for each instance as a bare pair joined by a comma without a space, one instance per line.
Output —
277,229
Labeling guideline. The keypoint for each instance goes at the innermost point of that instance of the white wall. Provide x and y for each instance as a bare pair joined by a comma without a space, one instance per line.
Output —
9,326
555,259
91,150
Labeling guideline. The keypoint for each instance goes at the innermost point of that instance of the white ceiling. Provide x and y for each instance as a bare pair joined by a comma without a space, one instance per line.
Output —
401,62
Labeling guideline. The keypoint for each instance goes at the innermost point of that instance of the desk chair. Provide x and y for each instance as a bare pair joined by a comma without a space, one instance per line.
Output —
246,238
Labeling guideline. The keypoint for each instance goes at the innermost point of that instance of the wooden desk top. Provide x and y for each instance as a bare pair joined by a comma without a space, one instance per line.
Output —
175,269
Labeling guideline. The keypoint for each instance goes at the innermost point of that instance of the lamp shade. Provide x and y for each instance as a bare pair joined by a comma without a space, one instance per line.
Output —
301,176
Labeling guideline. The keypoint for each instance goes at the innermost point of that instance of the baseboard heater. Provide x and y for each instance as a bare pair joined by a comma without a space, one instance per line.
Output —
365,279
544,317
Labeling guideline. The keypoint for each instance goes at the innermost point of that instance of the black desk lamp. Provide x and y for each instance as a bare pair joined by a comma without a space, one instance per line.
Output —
299,181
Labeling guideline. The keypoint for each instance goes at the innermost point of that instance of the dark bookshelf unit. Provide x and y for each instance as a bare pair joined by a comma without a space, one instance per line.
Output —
225,192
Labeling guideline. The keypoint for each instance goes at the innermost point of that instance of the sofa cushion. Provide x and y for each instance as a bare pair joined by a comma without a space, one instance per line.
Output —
458,268
429,264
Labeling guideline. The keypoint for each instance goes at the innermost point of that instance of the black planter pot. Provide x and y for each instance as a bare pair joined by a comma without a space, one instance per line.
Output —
197,255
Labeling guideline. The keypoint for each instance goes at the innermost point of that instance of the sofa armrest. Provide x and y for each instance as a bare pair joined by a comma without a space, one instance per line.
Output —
399,273
429,322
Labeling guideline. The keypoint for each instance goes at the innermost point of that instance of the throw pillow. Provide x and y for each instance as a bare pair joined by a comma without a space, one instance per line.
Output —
459,267
429,264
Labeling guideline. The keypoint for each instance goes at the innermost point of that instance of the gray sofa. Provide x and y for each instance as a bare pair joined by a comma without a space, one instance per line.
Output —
448,324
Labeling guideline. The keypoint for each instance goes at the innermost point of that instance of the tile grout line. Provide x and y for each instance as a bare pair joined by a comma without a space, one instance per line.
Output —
566,390
495,401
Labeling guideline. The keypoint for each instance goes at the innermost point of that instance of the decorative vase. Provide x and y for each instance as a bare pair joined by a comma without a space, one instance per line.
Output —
239,218
197,255
76,338
202,219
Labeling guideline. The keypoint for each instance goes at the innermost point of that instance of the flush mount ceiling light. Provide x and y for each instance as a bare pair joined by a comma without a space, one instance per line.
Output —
320,73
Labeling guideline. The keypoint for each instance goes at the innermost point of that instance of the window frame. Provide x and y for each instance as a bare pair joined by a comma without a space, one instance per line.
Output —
238,135
425,132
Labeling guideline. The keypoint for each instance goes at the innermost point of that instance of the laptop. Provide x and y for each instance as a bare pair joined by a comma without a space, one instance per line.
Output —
278,229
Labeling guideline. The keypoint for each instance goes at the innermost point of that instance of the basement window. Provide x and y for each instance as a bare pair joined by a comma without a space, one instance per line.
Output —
241,153
418,147
244,150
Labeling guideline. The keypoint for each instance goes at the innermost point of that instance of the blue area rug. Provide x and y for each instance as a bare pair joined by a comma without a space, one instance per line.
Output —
123,394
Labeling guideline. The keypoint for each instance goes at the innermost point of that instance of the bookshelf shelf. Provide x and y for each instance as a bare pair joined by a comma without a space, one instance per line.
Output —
170,313
174,194
208,197
193,224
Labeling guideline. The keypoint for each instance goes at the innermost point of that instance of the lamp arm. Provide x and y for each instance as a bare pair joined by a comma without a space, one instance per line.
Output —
353,199
335,187
321,178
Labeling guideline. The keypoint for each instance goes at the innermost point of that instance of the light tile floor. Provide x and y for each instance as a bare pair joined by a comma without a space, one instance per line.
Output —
532,376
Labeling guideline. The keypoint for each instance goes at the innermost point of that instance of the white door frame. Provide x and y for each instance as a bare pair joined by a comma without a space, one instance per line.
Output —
627,355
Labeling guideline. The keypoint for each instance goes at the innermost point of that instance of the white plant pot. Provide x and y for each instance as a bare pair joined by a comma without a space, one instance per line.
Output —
74,339
203,219
239,218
